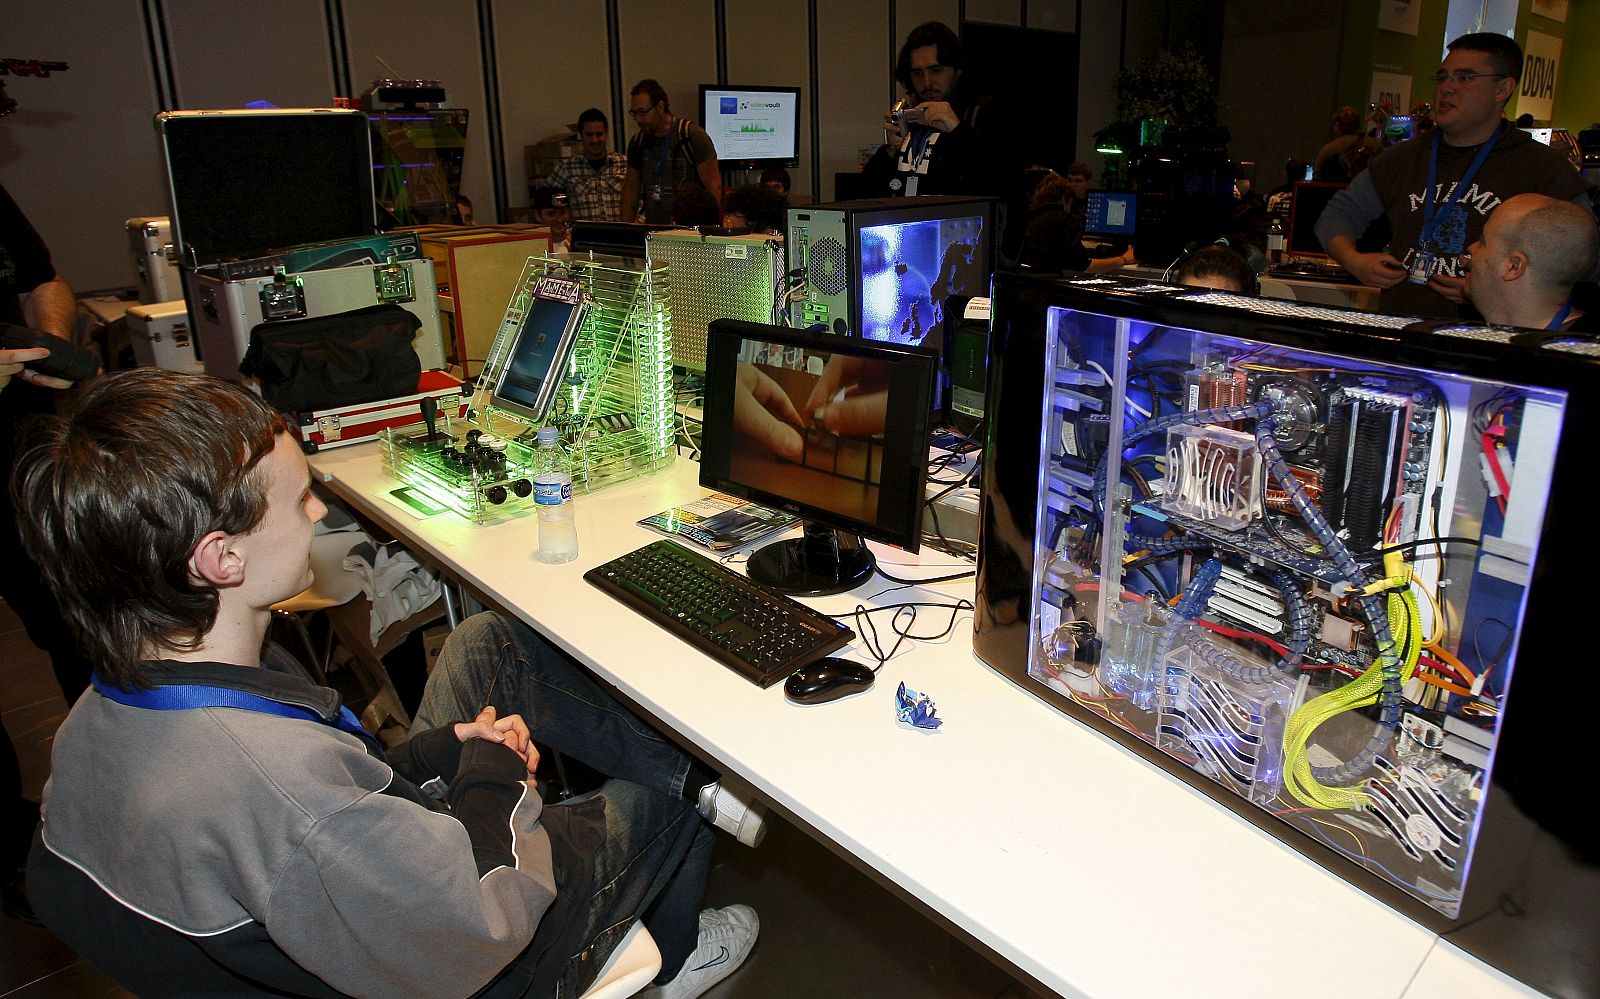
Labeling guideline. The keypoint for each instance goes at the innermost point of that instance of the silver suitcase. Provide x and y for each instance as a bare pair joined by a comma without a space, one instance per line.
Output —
161,338
225,312
150,241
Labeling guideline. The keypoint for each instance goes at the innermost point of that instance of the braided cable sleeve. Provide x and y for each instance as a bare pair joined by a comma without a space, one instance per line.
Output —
1372,608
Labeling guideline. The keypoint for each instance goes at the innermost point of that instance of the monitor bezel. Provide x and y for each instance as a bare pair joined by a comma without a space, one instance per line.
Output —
551,383
789,162
1294,216
913,417
902,211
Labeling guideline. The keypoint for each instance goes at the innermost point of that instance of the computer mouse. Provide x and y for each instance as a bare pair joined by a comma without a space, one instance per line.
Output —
827,680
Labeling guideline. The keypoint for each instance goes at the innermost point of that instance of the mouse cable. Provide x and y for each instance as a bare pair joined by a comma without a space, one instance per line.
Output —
869,631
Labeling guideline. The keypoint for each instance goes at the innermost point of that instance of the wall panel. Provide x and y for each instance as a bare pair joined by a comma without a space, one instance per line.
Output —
672,41
995,11
1098,49
852,70
431,41
1061,15
553,61
80,155
768,45
225,55
1271,124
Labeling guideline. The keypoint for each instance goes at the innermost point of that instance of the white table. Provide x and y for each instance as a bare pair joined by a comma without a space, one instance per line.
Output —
1064,855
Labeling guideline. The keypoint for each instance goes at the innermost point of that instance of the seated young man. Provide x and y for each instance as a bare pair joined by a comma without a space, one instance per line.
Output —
213,827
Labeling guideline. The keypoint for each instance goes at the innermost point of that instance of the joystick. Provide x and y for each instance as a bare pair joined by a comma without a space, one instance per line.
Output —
430,417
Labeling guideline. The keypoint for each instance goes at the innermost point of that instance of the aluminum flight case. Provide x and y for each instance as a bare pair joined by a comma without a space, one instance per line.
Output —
341,425
154,258
161,338
225,312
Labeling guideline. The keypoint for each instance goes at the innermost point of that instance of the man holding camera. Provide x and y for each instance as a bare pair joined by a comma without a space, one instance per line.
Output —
941,138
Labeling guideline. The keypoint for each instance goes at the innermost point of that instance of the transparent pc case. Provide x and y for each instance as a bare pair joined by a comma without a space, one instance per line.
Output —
1301,575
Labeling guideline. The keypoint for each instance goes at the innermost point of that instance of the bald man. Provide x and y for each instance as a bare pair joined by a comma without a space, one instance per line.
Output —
1533,249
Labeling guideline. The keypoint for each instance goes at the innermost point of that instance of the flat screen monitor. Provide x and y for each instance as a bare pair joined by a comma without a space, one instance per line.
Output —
1110,213
532,363
832,428
244,183
910,268
752,127
619,239
1305,207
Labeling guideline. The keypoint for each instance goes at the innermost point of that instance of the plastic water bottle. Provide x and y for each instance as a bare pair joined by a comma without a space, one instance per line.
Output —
552,492
1277,240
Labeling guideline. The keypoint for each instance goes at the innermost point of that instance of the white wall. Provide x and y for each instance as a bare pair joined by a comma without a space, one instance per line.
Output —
81,156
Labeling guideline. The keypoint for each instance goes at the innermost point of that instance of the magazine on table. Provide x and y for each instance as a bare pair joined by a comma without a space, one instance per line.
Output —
720,523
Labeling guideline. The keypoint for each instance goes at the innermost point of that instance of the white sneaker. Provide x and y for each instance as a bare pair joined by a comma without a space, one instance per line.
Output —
732,807
726,936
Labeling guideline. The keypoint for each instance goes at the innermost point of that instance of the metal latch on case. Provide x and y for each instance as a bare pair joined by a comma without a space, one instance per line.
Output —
329,426
283,298
393,283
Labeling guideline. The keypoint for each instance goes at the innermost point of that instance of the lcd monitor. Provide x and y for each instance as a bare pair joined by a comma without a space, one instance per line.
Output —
530,366
831,428
618,239
1305,207
1110,213
752,127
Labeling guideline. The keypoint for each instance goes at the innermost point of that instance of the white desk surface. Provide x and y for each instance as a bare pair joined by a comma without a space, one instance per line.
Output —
1082,865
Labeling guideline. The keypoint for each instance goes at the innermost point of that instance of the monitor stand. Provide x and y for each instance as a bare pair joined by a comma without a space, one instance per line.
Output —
824,561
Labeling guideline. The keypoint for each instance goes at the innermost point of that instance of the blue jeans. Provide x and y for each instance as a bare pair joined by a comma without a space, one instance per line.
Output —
642,851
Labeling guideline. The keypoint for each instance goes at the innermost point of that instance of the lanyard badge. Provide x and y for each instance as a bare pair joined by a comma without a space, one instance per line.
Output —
1424,260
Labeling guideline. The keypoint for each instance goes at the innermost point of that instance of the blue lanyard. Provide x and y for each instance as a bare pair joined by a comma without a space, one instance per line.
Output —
179,697
1431,219
1561,316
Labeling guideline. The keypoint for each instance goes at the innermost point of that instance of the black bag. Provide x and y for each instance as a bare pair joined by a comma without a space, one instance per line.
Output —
340,360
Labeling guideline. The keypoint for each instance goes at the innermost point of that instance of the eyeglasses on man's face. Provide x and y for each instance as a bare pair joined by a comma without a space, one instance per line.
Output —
1462,77
641,112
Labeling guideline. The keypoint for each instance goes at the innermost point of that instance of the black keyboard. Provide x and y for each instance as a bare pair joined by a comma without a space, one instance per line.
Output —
1312,272
762,635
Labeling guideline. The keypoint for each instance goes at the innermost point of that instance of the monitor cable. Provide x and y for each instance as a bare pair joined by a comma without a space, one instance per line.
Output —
869,631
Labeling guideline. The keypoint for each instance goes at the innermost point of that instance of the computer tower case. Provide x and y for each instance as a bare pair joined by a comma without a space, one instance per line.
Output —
883,268
1317,564
715,277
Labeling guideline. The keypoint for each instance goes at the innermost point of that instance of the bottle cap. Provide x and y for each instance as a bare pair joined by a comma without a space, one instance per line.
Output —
548,435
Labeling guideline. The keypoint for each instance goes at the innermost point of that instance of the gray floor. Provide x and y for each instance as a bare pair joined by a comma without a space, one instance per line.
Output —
827,930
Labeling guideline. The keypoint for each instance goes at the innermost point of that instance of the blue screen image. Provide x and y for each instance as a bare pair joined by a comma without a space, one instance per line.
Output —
909,269
536,354
1109,213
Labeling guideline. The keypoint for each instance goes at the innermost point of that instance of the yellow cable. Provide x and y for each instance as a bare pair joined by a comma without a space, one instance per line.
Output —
1402,611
